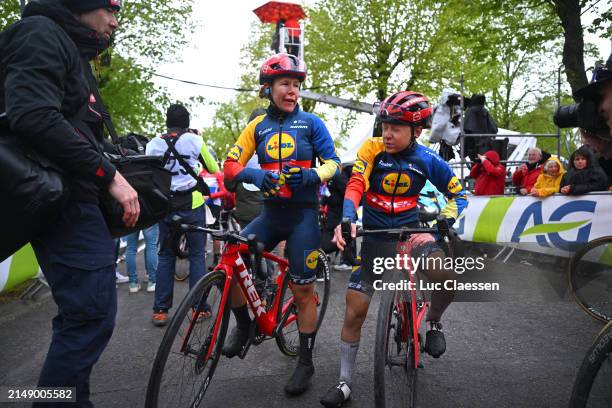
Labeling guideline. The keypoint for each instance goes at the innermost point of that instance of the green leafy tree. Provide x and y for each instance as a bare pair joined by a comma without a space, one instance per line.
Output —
150,33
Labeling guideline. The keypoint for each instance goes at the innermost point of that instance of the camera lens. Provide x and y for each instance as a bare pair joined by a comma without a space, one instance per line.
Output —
566,116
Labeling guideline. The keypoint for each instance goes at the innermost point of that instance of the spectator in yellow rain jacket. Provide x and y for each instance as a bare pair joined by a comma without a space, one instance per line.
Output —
549,180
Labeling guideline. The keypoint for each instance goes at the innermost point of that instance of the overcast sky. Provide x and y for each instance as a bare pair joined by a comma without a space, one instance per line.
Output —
213,56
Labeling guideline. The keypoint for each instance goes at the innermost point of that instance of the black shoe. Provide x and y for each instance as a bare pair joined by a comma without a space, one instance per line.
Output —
235,342
435,344
300,380
336,396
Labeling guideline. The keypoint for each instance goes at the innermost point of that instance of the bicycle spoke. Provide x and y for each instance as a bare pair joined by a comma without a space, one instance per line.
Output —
186,372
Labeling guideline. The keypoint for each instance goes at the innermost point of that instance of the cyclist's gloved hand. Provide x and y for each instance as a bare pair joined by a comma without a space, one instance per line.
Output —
297,177
265,180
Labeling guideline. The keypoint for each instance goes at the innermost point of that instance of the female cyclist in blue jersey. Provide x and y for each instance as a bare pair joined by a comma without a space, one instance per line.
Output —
391,171
288,141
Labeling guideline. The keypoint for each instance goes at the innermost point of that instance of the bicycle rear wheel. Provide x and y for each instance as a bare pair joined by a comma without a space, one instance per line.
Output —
590,278
288,338
182,371
394,373
592,387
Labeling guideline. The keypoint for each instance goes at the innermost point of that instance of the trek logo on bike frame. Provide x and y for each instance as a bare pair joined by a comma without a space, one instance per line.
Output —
249,287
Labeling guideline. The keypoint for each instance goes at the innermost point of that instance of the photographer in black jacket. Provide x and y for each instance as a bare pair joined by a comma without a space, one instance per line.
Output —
47,99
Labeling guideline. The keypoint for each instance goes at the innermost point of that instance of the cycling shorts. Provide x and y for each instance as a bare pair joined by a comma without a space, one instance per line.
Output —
299,227
382,246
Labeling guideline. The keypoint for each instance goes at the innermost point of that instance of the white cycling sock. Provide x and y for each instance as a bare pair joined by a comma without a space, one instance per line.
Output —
348,355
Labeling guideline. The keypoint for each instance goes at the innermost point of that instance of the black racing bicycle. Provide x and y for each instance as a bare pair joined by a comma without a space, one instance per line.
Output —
593,384
590,279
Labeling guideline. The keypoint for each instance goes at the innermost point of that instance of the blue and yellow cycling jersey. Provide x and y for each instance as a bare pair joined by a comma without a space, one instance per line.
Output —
392,182
278,138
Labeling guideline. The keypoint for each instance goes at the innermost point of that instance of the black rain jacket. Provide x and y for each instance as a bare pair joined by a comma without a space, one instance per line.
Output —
591,178
46,96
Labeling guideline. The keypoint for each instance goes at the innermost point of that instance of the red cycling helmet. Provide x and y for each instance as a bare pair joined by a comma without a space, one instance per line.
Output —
405,108
282,65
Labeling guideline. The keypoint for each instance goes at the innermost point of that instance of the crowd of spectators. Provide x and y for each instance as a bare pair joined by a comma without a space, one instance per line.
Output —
543,175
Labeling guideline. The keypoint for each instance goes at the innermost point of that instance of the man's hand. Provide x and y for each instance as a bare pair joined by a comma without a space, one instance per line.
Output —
523,191
127,197
482,157
339,240
565,189
534,192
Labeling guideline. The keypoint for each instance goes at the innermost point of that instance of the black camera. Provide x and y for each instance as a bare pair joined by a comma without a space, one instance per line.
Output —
583,115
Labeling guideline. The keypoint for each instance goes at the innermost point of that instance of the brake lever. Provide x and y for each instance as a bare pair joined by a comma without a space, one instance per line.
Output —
172,237
442,225
350,250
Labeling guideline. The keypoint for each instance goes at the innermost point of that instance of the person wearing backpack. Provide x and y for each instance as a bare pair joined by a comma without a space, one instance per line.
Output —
47,101
181,149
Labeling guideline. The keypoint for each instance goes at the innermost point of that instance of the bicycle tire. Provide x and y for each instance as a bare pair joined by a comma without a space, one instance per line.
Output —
162,387
395,376
599,355
587,280
287,339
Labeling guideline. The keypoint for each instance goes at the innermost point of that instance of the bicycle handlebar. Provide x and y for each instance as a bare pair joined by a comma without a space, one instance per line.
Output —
442,228
256,248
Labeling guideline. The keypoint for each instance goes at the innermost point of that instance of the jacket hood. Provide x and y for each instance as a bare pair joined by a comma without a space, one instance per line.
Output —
556,160
493,157
583,151
90,44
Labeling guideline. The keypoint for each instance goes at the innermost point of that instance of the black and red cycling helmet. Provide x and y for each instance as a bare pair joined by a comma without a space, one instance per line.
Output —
282,65
405,108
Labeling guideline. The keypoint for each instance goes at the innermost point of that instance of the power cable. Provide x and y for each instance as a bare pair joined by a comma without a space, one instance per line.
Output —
248,89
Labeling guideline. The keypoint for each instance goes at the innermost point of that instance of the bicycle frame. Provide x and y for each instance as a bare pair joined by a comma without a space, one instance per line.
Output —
417,310
234,267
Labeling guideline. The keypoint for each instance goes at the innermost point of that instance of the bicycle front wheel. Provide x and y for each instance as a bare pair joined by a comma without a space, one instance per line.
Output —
590,278
395,375
592,388
288,338
190,350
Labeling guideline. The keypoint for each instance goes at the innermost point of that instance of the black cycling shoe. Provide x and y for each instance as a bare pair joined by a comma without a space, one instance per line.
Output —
435,344
235,342
336,396
300,380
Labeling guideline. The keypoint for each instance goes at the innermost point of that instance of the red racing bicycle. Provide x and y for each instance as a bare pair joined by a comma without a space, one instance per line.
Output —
191,347
398,343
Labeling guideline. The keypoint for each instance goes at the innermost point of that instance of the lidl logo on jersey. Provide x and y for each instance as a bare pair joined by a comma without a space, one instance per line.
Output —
282,147
359,167
454,186
311,259
396,183
235,152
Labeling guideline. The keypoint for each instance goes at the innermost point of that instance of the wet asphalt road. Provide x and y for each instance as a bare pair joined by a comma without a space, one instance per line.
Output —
520,351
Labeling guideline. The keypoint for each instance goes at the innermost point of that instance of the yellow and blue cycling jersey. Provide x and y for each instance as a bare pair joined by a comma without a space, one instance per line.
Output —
392,182
279,138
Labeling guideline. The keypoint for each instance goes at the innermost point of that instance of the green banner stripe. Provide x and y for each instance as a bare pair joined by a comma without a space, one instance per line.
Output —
491,219
553,227
23,267
606,257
